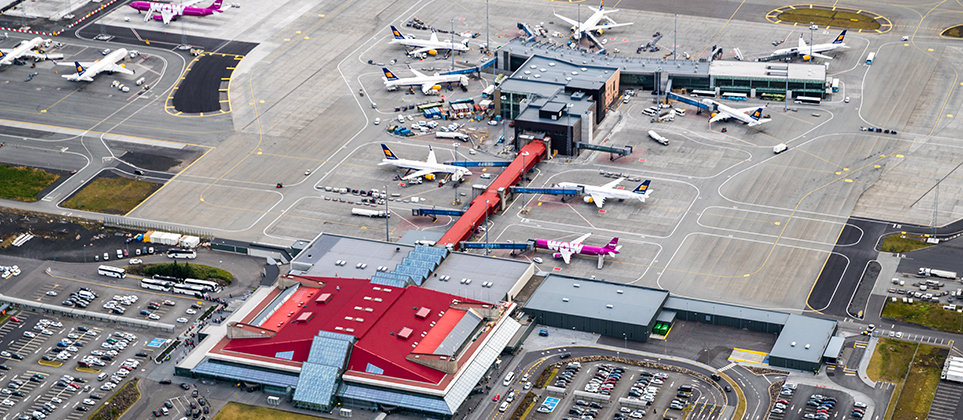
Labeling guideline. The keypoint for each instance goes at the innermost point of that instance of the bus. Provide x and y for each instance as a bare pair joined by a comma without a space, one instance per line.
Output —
422,108
168,278
870,58
709,93
210,286
159,285
116,272
186,289
835,85
181,253
807,100
776,97
735,96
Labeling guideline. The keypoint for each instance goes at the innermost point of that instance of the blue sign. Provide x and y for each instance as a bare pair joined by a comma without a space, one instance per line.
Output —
550,402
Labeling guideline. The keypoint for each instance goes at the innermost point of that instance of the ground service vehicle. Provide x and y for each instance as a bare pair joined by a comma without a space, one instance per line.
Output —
658,138
181,253
937,273
870,58
369,213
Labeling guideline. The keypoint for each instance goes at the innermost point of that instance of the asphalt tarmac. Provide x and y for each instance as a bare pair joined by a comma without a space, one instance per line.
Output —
200,90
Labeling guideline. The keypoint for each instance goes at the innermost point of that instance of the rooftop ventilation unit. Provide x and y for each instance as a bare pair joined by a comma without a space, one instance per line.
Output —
807,346
609,306
619,291
564,299
576,285
793,344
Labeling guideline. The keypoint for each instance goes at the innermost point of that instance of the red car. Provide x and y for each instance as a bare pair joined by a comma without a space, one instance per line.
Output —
14,319
497,397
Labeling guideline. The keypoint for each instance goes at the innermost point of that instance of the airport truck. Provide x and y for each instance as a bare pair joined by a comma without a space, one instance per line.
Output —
369,213
661,140
952,374
452,135
937,273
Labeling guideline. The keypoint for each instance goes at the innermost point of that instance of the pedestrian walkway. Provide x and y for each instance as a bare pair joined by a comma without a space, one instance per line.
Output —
748,356
864,362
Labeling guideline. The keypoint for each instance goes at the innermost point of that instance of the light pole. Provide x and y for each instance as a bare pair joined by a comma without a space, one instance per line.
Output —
452,51
488,46
387,239
85,254
812,29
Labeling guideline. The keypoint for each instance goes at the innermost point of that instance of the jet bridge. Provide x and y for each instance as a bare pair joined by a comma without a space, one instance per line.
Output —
475,164
436,212
621,151
514,246
686,100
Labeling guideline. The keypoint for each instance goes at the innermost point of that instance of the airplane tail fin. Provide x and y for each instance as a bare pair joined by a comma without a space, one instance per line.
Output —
388,153
216,5
642,188
613,244
388,74
396,33
839,38
757,114
80,69
602,4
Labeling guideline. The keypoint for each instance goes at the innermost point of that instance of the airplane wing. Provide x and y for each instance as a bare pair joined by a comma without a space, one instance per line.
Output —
167,14
599,199
566,255
419,51
416,175
434,37
431,157
581,238
82,63
747,110
802,44
116,68
612,184
39,56
719,117
818,55
416,72
604,26
569,21
427,87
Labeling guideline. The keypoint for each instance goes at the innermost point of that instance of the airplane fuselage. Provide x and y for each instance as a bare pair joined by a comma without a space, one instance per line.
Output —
572,247
425,80
457,172
608,192
24,47
424,43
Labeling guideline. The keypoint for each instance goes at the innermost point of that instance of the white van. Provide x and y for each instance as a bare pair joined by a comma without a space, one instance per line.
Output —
102,376
401,118
86,295
509,378
503,407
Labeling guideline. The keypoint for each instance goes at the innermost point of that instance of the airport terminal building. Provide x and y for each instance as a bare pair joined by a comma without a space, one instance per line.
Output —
558,92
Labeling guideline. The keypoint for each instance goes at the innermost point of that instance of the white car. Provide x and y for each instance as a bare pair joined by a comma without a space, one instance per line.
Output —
134,261
89,401
8,403
191,312
46,332
51,293
155,317
29,334
182,320
377,121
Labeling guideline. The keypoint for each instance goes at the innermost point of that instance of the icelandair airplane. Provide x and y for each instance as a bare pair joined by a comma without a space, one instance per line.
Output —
593,22
430,46
599,194
429,166
426,82
169,11
26,50
751,116
87,70
804,50
565,250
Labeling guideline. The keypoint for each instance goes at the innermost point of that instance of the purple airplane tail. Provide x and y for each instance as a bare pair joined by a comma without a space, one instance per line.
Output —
613,244
216,6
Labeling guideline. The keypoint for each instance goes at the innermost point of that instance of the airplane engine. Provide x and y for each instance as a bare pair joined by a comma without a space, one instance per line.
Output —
588,199
432,52
556,255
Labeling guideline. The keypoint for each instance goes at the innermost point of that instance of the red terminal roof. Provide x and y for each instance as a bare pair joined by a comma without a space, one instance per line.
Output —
473,217
374,314
440,331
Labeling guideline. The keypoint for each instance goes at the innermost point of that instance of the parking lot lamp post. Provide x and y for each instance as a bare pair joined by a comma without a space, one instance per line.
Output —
487,210
452,51
812,29
85,254
387,239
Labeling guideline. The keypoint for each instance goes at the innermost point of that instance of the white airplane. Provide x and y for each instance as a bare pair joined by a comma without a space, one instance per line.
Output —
751,116
429,166
427,82
26,50
599,194
87,70
593,22
806,51
429,46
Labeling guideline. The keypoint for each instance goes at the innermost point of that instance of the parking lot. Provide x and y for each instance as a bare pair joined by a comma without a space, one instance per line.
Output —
61,368
607,390
812,403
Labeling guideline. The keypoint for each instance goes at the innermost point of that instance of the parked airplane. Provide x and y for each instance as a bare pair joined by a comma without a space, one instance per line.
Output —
430,46
169,11
751,116
592,23
565,250
804,50
26,50
86,71
599,194
426,82
429,166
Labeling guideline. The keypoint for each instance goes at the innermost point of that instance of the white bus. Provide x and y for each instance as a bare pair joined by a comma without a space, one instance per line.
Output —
210,286
181,253
735,96
710,93
117,272
807,100
158,285
186,289
835,85
870,58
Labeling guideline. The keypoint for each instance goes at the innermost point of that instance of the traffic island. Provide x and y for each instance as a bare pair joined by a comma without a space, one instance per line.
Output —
111,193
826,17
953,32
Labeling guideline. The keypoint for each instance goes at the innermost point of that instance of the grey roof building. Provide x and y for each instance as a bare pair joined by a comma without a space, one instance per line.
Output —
802,343
596,306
